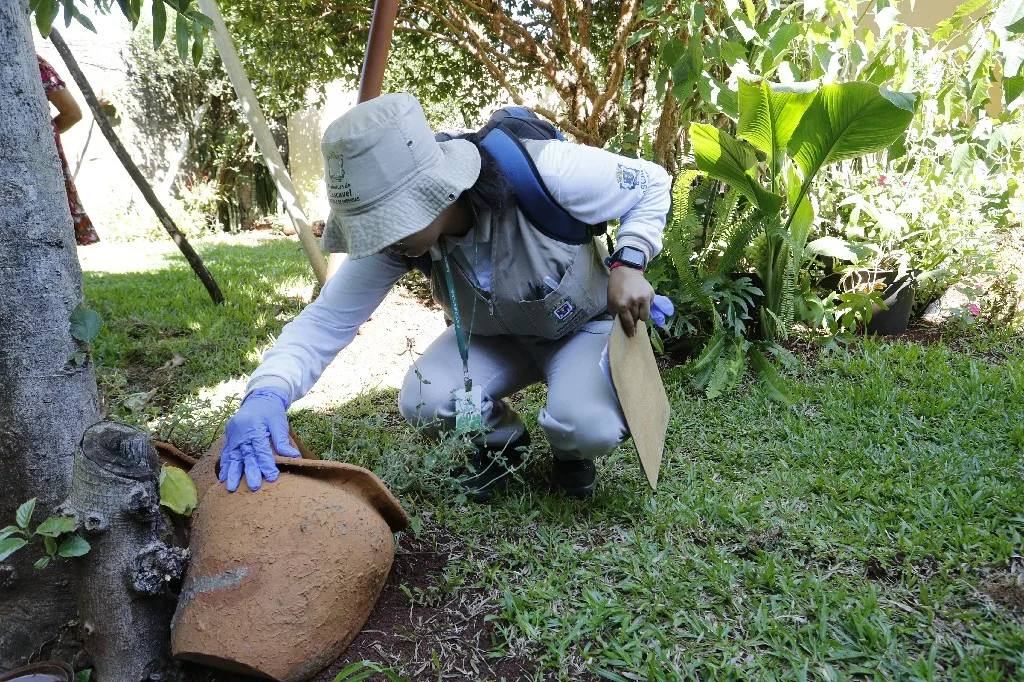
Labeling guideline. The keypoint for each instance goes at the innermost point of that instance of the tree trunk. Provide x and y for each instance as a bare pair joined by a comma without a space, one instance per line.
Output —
46,402
124,602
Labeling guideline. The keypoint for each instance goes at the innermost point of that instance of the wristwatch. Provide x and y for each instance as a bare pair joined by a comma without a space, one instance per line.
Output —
628,256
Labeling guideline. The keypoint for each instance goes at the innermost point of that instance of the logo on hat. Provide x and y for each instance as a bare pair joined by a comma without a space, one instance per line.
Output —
336,166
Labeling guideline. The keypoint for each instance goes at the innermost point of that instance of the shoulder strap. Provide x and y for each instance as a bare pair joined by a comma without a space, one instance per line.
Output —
532,194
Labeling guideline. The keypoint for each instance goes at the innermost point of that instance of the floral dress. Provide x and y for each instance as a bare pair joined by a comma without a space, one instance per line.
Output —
85,233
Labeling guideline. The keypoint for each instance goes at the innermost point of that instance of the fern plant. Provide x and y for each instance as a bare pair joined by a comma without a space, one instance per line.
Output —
706,241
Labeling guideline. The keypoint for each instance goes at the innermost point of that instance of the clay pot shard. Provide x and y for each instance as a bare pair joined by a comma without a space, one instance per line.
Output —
282,580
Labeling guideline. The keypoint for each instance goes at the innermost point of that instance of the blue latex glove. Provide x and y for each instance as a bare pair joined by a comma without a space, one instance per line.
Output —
260,419
661,308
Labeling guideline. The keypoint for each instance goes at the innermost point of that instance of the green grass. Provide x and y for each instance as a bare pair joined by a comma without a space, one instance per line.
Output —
873,531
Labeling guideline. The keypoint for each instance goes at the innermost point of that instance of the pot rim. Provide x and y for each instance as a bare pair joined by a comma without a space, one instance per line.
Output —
41,667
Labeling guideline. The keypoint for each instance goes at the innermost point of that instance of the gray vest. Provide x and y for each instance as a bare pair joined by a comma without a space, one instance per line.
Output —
521,258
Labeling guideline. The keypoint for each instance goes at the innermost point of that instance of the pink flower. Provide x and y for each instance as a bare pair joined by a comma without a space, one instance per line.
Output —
974,309
881,180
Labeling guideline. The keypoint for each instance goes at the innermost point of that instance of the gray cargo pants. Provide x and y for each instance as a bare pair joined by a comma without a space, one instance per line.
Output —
582,417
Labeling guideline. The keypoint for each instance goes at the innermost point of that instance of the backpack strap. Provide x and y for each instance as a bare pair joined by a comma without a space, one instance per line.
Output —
532,194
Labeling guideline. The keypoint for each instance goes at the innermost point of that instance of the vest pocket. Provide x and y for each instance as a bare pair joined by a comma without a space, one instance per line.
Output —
561,311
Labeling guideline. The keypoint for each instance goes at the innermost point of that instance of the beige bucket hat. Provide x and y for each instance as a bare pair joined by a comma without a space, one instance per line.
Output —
387,177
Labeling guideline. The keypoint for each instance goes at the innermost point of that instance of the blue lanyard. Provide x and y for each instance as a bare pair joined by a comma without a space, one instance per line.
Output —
460,336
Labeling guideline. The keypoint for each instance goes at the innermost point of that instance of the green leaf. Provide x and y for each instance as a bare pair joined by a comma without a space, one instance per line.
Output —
177,491
801,210
846,122
724,157
946,27
1012,89
9,546
73,546
181,34
638,36
51,546
57,526
200,18
84,20
42,563
83,675
832,247
69,11
24,514
8,532
159,22
198,34
771,381
46,12
1010,16
85,324
769,113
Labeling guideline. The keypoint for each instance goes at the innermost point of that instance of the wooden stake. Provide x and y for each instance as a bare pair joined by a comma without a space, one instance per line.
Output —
261,131
126,160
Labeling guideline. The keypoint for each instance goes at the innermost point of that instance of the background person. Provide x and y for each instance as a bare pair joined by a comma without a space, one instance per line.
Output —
68,114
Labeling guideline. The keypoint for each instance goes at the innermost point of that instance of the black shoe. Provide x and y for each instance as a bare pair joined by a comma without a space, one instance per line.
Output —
574,477
491,469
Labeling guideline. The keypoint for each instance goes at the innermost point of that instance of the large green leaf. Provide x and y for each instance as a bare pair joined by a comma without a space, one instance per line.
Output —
725,158
769,113
57,525
848,121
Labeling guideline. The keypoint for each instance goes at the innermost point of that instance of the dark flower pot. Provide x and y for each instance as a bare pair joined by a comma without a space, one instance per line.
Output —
897,294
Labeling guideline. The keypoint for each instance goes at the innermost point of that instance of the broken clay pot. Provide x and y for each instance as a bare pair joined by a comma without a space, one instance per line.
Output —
282,579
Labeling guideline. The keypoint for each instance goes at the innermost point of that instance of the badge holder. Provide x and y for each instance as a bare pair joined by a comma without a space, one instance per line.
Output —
468,400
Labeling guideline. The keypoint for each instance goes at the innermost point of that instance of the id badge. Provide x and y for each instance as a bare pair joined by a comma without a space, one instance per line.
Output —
468,415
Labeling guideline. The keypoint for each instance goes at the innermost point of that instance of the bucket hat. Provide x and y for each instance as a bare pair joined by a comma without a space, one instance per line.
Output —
387,177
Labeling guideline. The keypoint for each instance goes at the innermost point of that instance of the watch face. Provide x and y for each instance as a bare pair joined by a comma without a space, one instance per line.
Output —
630,256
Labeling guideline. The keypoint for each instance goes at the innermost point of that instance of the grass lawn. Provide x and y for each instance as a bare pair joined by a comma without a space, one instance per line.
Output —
873,531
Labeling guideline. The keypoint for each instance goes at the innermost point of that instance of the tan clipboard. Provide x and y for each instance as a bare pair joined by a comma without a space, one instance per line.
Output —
641,394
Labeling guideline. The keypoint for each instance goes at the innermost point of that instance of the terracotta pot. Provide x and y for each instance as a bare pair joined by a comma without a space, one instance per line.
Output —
48,671
282,580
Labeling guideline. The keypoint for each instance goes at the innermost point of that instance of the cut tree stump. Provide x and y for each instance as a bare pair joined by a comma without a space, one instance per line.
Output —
124,582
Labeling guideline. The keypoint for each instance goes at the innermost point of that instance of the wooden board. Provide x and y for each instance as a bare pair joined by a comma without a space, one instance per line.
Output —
642,395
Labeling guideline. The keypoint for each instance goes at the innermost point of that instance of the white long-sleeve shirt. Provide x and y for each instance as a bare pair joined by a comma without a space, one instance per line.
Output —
592,184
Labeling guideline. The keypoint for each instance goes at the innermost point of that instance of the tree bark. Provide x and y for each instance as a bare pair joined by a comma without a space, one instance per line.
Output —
46,402
124,602
129,165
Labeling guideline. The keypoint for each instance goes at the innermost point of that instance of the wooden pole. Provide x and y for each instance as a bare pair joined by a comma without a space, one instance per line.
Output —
264,138
382,27
371,80
126,160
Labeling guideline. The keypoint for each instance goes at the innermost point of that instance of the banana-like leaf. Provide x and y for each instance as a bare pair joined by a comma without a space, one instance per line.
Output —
722,156
769,113
848,121
801,211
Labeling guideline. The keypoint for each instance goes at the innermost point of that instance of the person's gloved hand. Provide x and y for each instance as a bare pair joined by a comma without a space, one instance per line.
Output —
661,308
260,419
